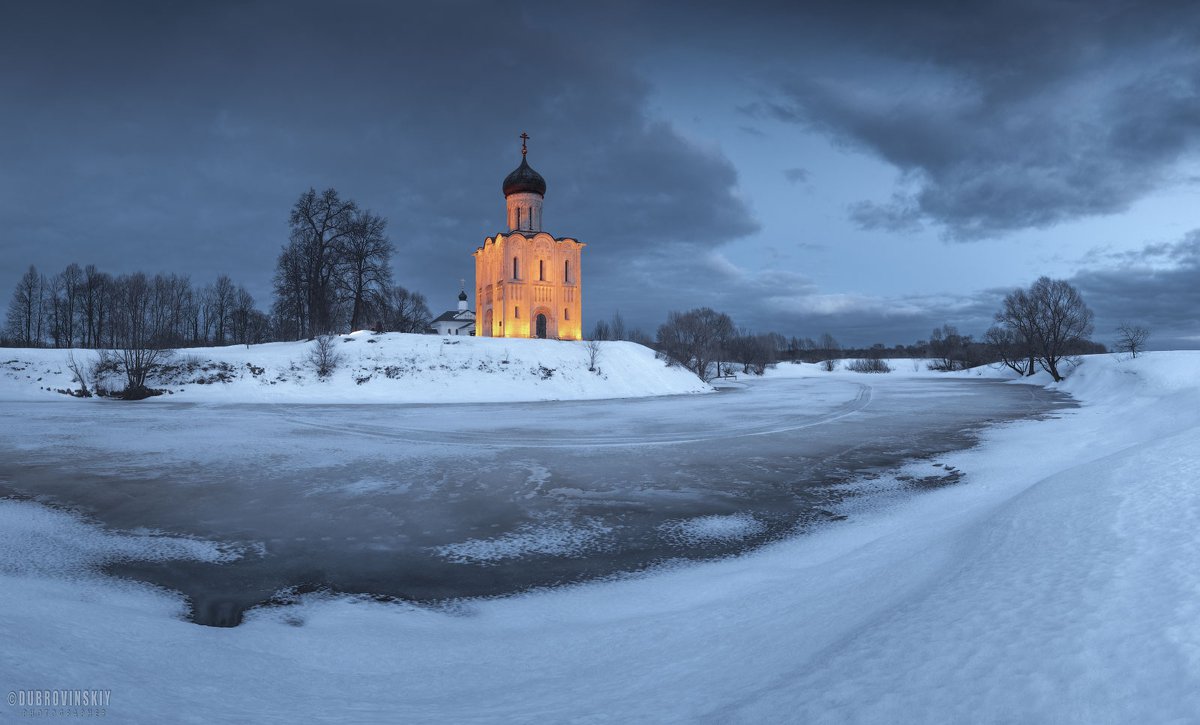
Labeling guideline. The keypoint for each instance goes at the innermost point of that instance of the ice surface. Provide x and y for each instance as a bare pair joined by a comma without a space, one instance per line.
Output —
558,539
428,503
701,529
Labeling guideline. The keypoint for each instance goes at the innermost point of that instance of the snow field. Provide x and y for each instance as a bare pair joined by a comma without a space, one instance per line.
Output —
1057,583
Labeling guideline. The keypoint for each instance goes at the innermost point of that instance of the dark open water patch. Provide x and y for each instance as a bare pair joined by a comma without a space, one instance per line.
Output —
435,526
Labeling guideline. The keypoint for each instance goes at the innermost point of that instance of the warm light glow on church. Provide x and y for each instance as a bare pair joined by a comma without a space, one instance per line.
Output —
527,282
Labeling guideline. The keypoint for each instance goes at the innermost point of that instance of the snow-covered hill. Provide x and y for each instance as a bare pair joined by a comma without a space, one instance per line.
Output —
387,368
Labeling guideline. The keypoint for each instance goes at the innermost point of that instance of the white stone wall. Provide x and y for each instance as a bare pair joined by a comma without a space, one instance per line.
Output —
539,287
525,212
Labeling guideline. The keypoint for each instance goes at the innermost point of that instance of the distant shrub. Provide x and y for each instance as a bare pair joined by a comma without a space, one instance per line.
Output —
829,365
323,358
869,365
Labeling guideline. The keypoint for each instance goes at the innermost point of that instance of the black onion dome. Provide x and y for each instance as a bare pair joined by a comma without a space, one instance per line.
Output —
524,179
462,296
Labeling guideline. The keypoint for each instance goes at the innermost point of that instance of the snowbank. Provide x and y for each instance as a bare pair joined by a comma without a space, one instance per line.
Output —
1056,584
388,368
901,367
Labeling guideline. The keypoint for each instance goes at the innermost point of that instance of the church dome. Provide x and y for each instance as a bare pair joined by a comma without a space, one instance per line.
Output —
524,180
462,296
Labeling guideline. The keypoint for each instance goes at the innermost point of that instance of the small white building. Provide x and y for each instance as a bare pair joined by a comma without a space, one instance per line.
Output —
456,322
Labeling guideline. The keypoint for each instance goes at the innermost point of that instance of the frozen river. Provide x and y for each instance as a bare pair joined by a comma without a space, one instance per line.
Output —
435,503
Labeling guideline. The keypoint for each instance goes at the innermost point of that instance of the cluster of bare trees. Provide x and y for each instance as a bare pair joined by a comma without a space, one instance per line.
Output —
334,274
709,344
1039,326
806,349
1043,325
85,307
696,339
615,329
950,350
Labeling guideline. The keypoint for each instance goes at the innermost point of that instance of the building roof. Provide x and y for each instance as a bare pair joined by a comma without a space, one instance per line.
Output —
524,179
455,316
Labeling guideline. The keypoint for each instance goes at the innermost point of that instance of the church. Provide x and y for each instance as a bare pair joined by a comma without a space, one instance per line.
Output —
455,322
527,282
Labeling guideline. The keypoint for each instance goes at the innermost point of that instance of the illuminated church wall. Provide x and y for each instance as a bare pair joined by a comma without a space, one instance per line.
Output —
527,273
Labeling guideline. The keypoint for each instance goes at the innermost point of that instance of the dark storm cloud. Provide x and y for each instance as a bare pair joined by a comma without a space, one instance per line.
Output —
175,137
1157,287
1002,115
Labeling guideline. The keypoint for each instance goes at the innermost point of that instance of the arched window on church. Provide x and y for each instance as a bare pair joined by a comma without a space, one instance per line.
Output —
541,270
515,268
517,312
567,271
566,314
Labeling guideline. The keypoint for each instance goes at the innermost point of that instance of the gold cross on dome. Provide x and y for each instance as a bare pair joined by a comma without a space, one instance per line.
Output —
524,138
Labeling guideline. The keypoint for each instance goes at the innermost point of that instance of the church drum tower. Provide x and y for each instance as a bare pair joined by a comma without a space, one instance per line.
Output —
527,282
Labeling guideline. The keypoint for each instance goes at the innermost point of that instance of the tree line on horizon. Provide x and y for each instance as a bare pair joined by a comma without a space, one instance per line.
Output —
1041,326
334,274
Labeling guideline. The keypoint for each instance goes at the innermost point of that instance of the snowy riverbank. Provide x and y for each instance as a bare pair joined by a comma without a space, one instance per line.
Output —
1055,583
387,368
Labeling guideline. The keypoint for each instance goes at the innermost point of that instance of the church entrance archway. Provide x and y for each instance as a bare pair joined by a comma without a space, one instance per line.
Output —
540,327
487,324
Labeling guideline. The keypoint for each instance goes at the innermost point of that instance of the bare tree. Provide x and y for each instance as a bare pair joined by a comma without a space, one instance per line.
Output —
601,331
141,347
1053,318
406,311
91,304
290,308
617,327
755,353
221,300
695,339
52,306
829,351
1011,347
1064,322
70,282
949,349
1019,315
1132,338
25,308
323,356
592,349
320,224
364,257
80,372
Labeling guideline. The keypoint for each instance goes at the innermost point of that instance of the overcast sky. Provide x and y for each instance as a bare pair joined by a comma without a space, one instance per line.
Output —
867,169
